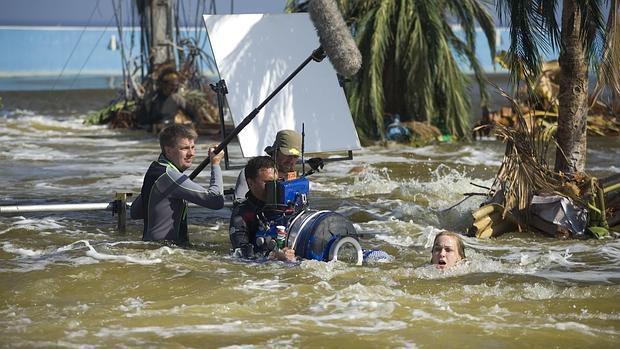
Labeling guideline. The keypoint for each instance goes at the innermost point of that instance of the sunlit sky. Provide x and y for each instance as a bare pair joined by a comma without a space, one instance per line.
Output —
78,12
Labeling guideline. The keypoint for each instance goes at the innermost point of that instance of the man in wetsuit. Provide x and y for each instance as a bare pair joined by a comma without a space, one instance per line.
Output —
162,202
285,151
165,105
245,222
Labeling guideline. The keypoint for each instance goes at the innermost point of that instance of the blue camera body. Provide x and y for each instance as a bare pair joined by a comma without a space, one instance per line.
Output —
319,235
285,199
290,193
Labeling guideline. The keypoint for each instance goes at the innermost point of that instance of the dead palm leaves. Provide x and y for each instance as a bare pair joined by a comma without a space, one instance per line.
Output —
524,172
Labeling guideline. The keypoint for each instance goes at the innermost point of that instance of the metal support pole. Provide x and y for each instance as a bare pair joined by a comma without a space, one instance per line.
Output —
221,90
96,206
120,208
100,206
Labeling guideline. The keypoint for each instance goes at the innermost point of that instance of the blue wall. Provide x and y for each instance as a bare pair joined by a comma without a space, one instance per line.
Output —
44,51
69,53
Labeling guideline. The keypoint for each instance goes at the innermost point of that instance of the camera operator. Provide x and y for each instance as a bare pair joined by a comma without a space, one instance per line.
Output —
245,221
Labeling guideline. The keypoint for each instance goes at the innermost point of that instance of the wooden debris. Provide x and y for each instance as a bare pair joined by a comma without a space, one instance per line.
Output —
491,221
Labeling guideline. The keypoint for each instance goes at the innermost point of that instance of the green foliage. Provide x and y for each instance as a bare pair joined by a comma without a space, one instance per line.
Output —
410,61
103,116
586,37
534,30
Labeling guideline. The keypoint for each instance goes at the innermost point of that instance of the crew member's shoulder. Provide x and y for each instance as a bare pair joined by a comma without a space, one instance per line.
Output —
240,204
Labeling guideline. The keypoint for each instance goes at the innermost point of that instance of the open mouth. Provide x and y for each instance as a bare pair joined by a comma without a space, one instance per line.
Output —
441,264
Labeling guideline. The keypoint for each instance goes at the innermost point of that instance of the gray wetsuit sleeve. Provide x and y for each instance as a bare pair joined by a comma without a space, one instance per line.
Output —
241,187
186,189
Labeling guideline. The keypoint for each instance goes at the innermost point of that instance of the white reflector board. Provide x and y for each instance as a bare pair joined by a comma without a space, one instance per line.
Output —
254,54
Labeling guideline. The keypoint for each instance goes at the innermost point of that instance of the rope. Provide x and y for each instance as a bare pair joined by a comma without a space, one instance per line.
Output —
75,46
125,64
90,53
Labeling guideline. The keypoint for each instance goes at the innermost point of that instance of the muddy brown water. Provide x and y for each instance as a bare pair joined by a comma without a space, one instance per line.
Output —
71,280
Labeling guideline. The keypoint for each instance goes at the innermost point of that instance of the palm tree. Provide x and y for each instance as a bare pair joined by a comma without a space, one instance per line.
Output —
585,39
411,56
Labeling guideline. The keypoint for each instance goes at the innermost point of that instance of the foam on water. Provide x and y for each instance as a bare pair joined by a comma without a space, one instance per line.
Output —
33,152
544,263
48,226
605,169
325,270
266,285
27,260
403,234
487,256
13,317
81,252
611,250
45,126
410,200
466,155
435,190
513,286
132,307
366,306
22,252
119,184
371,181
231,327
42,224
93,253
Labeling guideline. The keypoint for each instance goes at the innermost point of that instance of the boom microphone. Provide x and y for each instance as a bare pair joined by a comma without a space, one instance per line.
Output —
335,37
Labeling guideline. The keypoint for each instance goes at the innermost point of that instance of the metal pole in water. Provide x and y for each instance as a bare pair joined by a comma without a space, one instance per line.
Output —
101,206
120,208
97,206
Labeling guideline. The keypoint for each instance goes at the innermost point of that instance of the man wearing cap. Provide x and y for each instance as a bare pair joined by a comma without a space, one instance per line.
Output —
285,151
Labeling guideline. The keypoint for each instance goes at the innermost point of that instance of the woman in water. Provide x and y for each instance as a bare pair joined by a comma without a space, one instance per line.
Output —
448,250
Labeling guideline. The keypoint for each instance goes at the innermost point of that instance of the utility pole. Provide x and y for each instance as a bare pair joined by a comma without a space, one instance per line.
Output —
161,28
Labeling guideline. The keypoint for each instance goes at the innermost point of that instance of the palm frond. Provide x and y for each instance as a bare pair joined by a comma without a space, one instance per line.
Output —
524,170
379,45
593,33
528,37
609,72
407,47
550,24
422,58
452,86
468,11
403,30
359,96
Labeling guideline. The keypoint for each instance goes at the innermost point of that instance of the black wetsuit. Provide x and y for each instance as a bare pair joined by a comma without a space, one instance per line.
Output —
244,223
166,192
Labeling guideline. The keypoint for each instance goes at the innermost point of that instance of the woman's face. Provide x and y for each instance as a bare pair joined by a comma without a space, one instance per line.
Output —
445,252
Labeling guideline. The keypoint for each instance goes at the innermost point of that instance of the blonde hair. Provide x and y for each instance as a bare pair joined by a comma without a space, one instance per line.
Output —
459,242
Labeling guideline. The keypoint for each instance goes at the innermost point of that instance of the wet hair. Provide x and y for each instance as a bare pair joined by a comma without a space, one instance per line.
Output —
459,242
256,164
169,135
167,71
